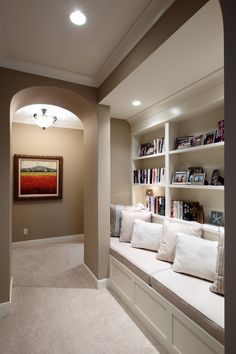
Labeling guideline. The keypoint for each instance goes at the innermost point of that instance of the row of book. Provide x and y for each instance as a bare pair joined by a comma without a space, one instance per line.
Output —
156,204
156,147
186,210
150,175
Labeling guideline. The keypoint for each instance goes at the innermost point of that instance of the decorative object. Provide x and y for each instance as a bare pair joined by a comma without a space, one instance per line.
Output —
183,142
44,121
216,218
210,138
215,177
198,178
37,177
180,177
196,140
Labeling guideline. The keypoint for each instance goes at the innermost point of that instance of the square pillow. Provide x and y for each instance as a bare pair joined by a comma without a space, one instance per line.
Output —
115,217
146,235
168,240
127,223
195,256
218,286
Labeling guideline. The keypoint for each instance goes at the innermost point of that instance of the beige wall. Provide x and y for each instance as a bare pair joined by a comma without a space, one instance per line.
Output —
55,217
121,174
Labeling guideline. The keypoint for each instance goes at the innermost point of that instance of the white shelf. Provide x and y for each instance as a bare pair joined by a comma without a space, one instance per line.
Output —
150,184
149,156
196,186
198,148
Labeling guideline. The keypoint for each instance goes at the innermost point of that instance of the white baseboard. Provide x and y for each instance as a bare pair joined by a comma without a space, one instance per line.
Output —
6,306
99,284
43,241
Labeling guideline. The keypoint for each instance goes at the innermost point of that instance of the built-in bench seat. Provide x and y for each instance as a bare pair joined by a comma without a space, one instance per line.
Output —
141,262
190,295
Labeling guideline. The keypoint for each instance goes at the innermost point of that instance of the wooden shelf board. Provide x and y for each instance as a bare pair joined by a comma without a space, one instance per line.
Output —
198,148
196,186
149,156
150,184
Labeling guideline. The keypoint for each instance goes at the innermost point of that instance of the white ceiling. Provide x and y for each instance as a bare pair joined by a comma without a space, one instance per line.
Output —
38,37
65,118
192,53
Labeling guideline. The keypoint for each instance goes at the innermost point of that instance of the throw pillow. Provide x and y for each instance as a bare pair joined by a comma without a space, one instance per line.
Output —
195,256
218,286
146,235
168,240
115,217
127,223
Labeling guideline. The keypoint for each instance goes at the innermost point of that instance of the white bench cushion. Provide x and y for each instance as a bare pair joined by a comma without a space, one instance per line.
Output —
141,262
193,297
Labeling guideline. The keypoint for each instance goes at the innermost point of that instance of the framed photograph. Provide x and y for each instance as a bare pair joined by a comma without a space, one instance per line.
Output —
180,177
192,171
196,140
216,218
183,142
215,177
210,138
37,177
198,178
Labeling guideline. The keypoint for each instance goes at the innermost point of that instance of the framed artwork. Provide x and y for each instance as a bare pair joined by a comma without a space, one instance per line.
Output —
180,177
198,178
216,218
37,177
215,177
210,138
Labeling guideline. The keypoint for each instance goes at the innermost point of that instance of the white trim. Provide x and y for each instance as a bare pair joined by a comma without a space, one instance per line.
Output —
6,306
43,241
99,284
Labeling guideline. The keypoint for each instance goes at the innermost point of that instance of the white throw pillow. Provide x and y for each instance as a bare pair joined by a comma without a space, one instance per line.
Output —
195,256
168,240
146,235
127,223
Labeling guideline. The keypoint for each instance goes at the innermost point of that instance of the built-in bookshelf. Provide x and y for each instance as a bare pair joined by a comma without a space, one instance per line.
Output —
209,155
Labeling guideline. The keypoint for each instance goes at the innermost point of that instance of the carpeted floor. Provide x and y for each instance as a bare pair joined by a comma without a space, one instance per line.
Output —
56,310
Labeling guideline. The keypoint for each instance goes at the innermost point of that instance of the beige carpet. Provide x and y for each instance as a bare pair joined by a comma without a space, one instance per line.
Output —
56,310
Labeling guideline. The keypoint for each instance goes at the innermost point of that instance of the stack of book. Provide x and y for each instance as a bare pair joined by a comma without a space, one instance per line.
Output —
156,147
185,210
156,205
220,132
150,175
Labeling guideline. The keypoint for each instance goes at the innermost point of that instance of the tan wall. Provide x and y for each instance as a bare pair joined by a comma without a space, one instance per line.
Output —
120,162
55,217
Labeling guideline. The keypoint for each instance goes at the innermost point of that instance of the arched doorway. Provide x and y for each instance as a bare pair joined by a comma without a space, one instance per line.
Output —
96,122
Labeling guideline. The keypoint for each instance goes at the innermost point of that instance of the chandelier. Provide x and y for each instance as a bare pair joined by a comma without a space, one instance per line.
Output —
44,121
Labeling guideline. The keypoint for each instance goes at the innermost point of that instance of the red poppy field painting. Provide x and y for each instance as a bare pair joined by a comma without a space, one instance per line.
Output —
37,177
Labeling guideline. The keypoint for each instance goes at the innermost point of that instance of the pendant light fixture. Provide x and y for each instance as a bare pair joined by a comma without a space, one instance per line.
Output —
44,121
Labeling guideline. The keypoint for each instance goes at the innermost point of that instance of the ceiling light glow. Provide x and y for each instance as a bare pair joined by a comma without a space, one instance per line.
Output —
175,111
136,103
78,18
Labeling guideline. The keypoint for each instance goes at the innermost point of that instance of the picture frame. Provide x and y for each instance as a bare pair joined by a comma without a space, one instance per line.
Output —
198,178
215,177
216,218
37,177
180,177
183,142
197,140
210,138
192,171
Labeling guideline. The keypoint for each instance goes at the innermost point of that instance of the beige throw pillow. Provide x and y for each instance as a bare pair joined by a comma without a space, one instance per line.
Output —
115,217
218,286
146,235
168,240
195,256
127,223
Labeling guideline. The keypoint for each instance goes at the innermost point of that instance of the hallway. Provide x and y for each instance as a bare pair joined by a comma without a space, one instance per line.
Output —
56,310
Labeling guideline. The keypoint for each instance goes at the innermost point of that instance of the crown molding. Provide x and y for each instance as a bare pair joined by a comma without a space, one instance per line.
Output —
48,71
151,14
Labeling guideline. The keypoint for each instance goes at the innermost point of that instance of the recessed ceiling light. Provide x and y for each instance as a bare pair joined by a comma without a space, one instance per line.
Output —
136,103
78,18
